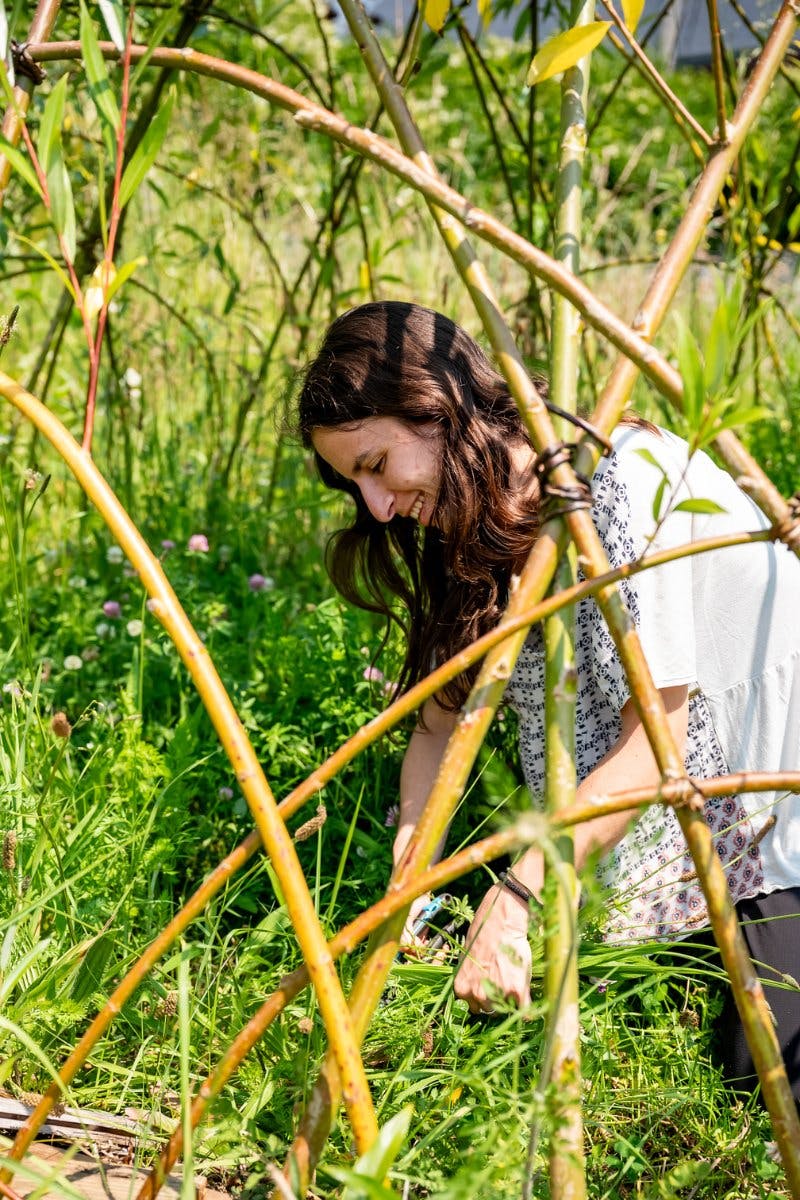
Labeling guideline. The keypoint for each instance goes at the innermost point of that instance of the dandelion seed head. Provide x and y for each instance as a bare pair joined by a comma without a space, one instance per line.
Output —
134,628
73,662
114,554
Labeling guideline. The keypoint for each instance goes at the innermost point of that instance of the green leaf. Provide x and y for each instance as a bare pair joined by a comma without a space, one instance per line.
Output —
717,349
20,164
59,270
658,498
632,11
435,12
565,50
114,21
154,39
649,457
146,152
374,1164
690,362
48,142
124,273
62,206
699,506
97,73
91,972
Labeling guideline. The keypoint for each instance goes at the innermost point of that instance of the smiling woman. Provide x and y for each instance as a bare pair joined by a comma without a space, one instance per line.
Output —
407,415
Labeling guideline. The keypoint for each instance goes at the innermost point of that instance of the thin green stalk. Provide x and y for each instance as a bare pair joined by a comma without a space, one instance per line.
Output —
562,888
717,70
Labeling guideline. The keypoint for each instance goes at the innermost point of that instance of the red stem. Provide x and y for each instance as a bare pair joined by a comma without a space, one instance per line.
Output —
108,258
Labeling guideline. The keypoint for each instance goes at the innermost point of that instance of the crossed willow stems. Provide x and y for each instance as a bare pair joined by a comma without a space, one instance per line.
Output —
343,1072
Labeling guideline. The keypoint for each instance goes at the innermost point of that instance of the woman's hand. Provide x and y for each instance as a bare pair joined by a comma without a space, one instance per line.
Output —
497,953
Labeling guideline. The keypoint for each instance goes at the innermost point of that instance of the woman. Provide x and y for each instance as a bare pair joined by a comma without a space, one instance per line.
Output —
405,413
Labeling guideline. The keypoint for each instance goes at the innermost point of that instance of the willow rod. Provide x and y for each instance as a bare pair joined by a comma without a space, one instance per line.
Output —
164,604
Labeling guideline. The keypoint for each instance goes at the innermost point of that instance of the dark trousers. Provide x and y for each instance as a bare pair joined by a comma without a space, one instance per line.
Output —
771,928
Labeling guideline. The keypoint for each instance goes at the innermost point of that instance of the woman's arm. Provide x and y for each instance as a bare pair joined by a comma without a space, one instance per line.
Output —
501,922
420,768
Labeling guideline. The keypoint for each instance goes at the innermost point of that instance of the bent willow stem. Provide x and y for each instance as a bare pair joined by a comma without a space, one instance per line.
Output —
164,604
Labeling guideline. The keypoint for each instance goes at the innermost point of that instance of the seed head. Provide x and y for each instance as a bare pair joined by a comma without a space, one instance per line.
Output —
60,725
310,828
9,850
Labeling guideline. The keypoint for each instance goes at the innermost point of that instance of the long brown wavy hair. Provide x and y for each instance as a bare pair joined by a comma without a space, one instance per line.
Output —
392,359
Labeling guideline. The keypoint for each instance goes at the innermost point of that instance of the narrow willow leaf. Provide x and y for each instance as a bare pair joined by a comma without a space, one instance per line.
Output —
49,139
699,505
114,21
97,73
154,40
632,11
62,206
717,348
565,50
485,12
59,270
20,164
649,457
146,152
658,498
436,13
124,273
690,362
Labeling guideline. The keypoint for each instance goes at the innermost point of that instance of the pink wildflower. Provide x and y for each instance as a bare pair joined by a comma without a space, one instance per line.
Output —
372,674
260,583
112,609
392,816
198,542
225,793
167,544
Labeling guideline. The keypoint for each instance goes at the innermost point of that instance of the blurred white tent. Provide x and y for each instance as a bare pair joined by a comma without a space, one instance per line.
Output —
682,35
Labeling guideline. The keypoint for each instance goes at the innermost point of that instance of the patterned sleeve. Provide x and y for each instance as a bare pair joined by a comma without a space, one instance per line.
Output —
660,600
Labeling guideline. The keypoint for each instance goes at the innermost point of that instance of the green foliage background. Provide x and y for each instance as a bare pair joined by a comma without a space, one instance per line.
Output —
246,262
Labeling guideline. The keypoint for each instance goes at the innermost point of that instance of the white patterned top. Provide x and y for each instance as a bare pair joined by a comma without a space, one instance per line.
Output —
725,623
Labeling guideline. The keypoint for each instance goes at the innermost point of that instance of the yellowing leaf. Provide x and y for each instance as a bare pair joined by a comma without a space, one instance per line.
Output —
96,295
435,13
632,11
565,50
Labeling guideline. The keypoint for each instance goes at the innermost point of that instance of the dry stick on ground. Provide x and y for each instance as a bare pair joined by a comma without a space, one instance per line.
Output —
165,606
313,784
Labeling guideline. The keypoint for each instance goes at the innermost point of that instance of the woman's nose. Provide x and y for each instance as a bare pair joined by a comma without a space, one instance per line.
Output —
378,499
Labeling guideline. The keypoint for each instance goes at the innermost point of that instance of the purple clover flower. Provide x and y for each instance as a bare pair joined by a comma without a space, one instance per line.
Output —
112,609
198,542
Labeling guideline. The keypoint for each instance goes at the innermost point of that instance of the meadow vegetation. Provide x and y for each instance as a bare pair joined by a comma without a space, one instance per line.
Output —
249,243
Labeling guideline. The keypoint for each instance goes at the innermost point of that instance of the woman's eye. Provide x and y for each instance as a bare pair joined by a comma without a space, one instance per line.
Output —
379,465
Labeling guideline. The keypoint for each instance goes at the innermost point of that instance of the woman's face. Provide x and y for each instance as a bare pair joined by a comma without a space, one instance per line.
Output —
396,466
